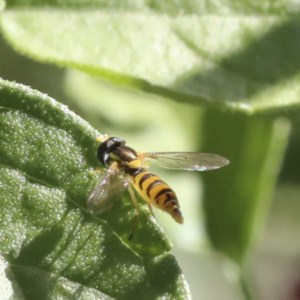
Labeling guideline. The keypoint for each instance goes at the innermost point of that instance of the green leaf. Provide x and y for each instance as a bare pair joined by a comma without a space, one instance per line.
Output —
237,197
241,63
51,246
172,6
6,286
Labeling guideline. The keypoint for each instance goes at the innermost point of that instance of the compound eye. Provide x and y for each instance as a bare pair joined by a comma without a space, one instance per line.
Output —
106,159
103,153
107,147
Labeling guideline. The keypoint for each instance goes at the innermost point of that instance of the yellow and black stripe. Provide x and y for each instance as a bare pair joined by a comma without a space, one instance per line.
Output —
151,188
156,192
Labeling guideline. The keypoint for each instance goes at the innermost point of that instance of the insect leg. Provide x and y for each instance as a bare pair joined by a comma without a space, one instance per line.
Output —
101,138
151,210
96,171
135,219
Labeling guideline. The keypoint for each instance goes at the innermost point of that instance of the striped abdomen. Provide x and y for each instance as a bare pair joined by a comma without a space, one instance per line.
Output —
156,192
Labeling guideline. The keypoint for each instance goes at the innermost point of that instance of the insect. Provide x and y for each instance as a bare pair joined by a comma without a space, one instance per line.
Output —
127,168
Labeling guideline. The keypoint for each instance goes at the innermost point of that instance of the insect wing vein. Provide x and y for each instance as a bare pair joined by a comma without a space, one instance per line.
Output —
106,190
191,161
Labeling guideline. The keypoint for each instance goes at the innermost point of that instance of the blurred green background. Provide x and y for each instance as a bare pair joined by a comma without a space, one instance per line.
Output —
151,122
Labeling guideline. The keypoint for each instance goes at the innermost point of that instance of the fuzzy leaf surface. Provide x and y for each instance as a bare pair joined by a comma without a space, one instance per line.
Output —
50,245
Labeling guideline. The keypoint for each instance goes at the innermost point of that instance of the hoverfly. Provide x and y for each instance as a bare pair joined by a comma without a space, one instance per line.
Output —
127,168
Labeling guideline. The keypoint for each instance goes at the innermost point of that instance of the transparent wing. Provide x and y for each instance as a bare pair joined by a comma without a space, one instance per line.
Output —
106,190
191,161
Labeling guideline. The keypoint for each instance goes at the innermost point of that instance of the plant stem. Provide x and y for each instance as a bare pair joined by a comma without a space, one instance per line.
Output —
244,288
